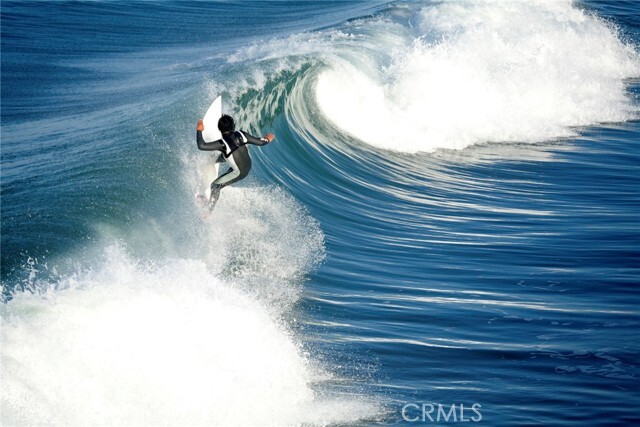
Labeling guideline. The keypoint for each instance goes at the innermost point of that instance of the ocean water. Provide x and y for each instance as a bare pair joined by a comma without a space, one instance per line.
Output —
445,231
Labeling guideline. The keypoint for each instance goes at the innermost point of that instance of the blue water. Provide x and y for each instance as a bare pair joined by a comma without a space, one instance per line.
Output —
445,231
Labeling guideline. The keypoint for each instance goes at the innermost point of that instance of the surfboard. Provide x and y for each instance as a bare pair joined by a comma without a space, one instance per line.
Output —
210,120
208,167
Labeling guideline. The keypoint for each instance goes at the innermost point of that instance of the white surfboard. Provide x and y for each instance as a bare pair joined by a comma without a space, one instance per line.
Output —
208,168
210,120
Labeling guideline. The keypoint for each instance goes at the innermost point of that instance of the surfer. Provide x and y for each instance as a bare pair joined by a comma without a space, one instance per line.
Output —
233,146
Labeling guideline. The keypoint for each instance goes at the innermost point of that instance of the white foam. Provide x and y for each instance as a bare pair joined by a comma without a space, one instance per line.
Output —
132,344
480,71
267,240
193,335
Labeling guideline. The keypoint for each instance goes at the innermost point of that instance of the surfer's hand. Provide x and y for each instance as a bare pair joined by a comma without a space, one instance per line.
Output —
200,126
269,137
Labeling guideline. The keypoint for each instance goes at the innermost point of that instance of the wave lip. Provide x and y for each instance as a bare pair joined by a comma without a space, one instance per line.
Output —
482,71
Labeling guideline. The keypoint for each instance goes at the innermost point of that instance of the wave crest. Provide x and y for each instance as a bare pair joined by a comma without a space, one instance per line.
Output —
482,71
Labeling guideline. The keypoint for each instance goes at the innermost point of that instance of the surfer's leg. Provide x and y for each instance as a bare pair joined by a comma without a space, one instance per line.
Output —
240,164
222,181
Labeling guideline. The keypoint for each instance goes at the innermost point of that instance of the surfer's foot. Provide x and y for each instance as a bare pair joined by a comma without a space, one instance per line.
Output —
213,199
215,195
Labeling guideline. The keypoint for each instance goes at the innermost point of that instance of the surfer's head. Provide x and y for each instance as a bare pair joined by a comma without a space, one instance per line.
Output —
226,124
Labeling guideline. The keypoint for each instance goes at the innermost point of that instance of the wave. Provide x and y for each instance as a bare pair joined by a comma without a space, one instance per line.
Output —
423,77
174,318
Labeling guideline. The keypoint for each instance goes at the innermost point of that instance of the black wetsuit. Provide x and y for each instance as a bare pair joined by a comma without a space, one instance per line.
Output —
234,148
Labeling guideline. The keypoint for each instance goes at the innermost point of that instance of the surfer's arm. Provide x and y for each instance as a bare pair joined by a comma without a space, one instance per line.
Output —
208,146
258,141
204,145
217,145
